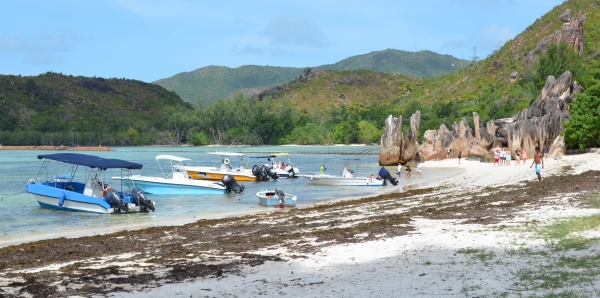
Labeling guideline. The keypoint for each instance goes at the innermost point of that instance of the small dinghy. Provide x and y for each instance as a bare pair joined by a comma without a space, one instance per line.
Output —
276,198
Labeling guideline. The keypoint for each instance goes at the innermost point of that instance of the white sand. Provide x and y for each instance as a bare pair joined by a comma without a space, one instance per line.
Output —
428,262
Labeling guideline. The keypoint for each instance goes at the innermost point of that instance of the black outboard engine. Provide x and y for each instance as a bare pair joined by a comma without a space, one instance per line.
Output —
290,169
140,197
270,173
115,201
260,173
231,184
280,195
385,175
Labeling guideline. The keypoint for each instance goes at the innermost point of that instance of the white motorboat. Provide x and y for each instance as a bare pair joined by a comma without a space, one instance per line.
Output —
176,181
347,178
282,169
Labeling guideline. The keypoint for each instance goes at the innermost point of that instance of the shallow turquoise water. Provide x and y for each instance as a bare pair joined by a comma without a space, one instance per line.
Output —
21,217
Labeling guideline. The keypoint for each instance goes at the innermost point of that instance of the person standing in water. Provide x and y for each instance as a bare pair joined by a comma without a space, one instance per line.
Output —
538,161
459,155
418,167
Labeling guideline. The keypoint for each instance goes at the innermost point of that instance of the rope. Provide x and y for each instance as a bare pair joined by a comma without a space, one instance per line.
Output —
2,199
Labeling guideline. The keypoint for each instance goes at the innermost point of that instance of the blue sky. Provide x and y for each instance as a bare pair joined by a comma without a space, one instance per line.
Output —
149,40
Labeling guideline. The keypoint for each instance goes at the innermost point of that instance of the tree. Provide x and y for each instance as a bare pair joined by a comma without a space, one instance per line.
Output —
556,60
583,128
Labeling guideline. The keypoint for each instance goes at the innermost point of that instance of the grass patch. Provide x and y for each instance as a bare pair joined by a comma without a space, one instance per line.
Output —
478,254
592,201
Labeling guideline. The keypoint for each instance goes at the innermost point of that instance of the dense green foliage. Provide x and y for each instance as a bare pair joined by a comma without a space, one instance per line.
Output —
54,109
583,128
555,61
208,84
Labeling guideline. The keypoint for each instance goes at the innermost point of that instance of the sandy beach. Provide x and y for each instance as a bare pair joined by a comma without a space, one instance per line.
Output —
489,231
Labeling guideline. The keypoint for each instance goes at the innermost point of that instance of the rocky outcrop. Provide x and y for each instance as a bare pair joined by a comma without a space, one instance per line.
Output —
538,126
395,148
570,32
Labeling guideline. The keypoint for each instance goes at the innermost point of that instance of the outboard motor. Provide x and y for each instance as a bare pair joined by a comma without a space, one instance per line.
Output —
259,173
140,197
385,175
115,201
270,173
290,169
280,195
231,184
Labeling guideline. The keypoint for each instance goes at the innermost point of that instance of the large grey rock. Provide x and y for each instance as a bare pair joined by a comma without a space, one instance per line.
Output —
395,148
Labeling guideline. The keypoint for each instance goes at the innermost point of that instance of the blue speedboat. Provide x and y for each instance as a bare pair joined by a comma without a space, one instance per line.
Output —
176,181
60,190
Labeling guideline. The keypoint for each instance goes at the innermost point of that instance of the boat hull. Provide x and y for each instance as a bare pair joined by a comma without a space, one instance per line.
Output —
268,198
344,181
162,186
218,175
50,197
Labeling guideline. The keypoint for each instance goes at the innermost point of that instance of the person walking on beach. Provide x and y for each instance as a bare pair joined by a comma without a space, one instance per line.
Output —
524,156
418,165
517,157
323,169
448,153
538,161
407,171
399,170
459,155
545,152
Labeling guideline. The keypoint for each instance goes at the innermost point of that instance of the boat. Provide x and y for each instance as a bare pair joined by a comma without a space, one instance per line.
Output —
282,169
61,191
276,198
240,172
176,181
348,177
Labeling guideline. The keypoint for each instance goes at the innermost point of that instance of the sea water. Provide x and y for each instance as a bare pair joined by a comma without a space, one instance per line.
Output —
22,219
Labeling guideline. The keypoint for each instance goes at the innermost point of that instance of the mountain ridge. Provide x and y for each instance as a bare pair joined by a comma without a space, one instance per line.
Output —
211,83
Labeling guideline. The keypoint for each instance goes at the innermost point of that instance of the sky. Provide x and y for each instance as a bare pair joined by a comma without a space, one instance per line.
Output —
149,40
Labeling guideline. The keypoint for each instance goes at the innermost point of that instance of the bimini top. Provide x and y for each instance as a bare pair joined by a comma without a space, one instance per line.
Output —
92,161
171,157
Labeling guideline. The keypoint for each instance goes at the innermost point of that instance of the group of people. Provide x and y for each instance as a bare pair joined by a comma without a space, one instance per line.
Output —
503,157
408,170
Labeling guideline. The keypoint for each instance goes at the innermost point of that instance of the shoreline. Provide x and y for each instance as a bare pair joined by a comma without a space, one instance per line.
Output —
470,235
415,183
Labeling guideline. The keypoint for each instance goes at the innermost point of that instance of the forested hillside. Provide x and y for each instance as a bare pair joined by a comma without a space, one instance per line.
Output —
211,83
56,109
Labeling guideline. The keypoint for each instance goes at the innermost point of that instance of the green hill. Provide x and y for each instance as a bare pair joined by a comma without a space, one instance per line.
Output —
51,107
485,87
423,64
218,82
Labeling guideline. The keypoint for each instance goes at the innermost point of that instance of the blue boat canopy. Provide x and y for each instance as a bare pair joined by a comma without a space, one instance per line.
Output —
92,161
